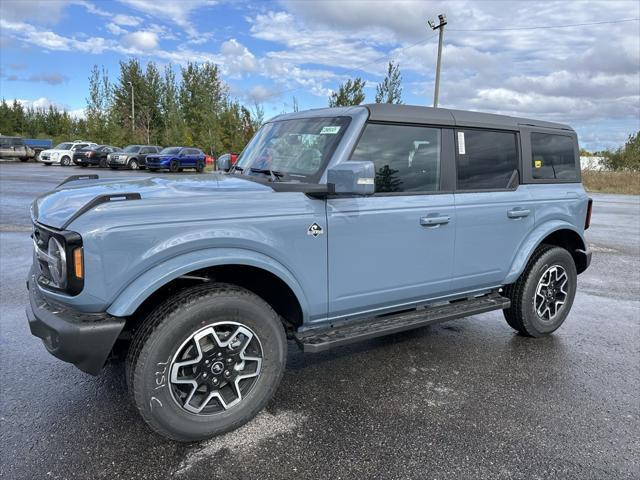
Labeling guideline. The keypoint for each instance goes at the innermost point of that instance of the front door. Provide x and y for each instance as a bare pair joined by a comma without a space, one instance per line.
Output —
393,249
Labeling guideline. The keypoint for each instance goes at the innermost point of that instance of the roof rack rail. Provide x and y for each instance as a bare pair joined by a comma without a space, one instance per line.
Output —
100,199
73,178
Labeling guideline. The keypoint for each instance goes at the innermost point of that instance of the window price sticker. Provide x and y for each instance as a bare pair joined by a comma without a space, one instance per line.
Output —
461,147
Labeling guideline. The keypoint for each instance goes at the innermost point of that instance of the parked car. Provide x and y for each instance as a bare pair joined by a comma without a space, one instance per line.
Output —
176,159
63,153
38,145
14,147
226,161
132,157
336,225
94,155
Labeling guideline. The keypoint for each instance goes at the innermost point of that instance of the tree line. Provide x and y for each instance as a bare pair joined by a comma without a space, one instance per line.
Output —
195,109
351,92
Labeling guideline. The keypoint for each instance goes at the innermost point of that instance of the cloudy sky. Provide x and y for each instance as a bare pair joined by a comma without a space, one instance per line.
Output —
495,57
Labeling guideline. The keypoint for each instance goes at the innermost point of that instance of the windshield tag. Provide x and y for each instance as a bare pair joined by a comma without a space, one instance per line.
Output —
329,130
461,145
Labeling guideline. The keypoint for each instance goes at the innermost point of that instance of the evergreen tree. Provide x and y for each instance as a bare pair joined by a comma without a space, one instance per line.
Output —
349,93
389,90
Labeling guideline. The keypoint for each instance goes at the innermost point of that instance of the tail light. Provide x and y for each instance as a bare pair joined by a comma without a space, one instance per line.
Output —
587,220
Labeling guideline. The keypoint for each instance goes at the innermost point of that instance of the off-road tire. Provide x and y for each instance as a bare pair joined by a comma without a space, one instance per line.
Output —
522,315
163,332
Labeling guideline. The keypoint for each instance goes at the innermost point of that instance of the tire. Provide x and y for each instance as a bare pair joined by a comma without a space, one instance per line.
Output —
103,163
133,164
65,161
535,310
166,339
174,166
200,166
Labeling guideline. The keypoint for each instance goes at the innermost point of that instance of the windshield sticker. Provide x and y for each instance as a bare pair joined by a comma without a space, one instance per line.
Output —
461,147
329,130
538,163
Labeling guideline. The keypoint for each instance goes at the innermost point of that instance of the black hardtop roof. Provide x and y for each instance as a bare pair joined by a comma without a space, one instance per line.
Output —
385,112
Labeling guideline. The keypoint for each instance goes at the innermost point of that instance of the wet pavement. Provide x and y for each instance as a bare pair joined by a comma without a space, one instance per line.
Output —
464,399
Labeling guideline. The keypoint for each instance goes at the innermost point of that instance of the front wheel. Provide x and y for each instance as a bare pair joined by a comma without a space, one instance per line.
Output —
133,164
103,163
174,166
206,361
543,295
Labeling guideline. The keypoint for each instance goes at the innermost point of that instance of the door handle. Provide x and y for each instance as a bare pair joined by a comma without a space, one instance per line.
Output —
434,221
518,213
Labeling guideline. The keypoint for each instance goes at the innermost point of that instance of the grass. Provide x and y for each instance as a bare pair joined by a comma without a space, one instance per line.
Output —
612,182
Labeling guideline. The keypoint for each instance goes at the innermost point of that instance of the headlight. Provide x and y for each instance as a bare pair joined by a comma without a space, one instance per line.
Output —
54,155
57,263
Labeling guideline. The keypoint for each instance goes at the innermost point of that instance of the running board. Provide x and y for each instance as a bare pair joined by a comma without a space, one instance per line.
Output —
350,332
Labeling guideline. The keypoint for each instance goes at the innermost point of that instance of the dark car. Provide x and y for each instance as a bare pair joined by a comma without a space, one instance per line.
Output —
132,157
175,159
94,155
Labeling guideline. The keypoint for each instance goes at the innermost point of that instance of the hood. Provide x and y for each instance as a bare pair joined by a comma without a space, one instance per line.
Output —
55,208
55,150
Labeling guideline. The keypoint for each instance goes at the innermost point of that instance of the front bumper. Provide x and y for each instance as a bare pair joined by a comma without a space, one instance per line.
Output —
82,339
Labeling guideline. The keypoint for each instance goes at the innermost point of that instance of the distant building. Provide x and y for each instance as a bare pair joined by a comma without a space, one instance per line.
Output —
592,163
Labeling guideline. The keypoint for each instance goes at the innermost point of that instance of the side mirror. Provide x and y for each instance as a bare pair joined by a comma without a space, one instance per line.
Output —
353,178
223,163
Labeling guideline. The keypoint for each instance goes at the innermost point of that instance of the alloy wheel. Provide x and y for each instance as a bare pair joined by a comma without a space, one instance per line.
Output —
215,368
551,292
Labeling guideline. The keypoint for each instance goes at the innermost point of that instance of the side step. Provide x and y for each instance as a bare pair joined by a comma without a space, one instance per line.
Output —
350,332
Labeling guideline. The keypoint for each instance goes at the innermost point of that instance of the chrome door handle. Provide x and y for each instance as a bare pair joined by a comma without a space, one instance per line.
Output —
434,221
518,213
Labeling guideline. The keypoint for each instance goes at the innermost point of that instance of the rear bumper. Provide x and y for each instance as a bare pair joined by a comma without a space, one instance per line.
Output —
84,340
583,260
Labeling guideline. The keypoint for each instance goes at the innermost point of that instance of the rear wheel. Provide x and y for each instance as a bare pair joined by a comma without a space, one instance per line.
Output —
65,161
206,362
543,295
174,166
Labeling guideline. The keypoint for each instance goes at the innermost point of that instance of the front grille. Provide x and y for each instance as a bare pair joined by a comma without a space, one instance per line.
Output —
44,156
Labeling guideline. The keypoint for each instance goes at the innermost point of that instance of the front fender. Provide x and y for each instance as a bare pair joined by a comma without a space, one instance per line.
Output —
144,285
532,241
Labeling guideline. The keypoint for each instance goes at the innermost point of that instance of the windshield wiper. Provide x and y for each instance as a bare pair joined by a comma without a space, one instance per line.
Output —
240,169
275,175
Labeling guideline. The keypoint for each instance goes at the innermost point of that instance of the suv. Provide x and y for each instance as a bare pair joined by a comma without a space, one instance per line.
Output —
132,157
14,147
94,155
175,159
63,153
299,241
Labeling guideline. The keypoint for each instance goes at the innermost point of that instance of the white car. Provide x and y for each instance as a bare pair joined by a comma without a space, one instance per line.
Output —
62,153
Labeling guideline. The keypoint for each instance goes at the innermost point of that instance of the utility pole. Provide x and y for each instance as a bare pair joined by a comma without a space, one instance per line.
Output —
440,28
133,111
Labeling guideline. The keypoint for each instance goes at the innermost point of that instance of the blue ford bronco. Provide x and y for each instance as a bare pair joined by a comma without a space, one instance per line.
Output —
335,226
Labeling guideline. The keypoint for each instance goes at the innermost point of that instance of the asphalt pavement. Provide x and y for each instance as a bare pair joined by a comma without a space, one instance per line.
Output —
466,399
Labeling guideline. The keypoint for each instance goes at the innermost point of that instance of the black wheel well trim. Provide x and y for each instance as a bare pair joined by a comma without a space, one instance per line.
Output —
571,241
265,284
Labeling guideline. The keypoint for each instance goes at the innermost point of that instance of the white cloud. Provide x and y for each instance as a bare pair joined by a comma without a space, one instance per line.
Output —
127,20
115,29
142,40
174,11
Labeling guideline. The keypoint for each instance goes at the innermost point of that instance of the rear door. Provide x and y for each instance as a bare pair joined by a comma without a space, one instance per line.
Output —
395,248
493,212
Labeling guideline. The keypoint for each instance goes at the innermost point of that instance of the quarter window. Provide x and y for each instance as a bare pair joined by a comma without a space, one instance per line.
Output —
553,157
406,158
486,160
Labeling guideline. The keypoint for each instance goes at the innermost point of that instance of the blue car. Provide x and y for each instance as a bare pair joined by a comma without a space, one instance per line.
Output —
175,159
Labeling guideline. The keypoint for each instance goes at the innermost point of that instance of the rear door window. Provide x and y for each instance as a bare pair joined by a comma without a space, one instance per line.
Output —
485,160
553,157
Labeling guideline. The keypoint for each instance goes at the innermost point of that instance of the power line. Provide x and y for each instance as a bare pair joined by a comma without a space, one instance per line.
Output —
542,27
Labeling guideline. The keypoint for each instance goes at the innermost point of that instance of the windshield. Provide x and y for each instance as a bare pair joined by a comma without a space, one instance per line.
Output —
297,148
64,146
132,149
170,150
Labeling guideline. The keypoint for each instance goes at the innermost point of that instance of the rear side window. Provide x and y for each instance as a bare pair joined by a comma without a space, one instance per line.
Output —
485,160
406,158
553,157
